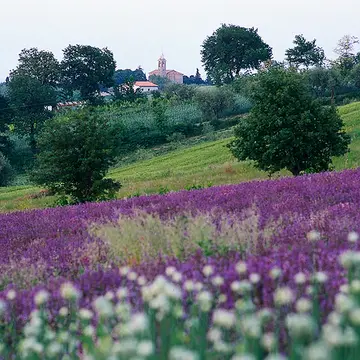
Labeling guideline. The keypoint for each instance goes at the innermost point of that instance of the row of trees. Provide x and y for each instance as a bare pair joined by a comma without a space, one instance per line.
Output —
232,51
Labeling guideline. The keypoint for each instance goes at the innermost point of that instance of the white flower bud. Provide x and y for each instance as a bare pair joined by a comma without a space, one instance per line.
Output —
41,297
217,281
275,273
303,305
11,295
224,318
254,278
208,270
313,236
283,296
353,237
69,292
241,267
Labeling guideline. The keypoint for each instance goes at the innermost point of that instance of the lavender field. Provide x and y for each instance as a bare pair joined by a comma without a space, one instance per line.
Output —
232,250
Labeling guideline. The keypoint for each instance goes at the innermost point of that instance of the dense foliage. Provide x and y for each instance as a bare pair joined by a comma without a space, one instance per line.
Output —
86,68
75,153
232,49
287,129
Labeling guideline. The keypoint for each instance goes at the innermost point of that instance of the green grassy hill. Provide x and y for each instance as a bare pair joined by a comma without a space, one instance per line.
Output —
205,164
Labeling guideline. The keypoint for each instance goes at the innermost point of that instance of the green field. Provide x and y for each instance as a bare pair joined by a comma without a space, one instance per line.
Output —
206,164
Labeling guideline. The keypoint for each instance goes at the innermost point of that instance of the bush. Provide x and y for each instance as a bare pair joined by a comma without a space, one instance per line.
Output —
214,103
287,129
20,155
75,153
6,171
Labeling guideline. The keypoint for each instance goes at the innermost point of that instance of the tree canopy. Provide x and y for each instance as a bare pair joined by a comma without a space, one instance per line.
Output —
305,53
75,153
231,49
286,128
87,68
40,65
121,76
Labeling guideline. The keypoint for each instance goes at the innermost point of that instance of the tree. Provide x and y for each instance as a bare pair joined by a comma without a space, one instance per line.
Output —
87,68
6,171
346,51
5,113
30,100
231,49
127,91
287,129
180,92
213,103
40,65
305,53
122,76
160,81
76,151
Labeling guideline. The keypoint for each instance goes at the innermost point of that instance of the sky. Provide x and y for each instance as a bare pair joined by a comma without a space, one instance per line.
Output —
138,31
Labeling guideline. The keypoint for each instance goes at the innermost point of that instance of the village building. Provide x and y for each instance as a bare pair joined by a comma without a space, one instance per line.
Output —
145,86
172,75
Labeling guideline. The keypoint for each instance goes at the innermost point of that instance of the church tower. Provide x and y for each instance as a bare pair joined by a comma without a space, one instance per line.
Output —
162,66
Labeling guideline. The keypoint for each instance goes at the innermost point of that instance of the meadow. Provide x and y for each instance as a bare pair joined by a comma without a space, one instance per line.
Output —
254,262
266,269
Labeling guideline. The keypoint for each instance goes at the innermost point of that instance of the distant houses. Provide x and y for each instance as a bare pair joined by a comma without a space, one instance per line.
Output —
145,86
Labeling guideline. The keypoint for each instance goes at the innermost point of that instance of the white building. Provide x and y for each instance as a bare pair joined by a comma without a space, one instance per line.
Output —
145,86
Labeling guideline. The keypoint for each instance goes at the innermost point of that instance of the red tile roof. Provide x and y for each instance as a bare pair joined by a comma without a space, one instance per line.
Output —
145,84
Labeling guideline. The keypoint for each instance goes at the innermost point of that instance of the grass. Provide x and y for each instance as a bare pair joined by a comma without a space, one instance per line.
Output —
205,164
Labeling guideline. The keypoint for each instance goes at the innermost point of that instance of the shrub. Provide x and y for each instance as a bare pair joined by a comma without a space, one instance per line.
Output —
287,129
6,171
76,151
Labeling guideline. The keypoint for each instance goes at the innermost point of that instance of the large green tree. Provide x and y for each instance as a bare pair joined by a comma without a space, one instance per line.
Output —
286,128
31,102
75,153
121,76
305,53
40,65
86,69
232,49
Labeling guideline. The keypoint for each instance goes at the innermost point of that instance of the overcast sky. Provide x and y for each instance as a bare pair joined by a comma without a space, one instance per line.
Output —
137,31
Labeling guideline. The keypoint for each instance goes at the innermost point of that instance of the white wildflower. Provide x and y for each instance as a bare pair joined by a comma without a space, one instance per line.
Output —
138,323
283,296
313,236
103,307
64,311
198,286
132,276
301,326
41,297
145,348
354,316
208,270
11,295
335,318
318,351
353,237
275,273
204,299
268,341
251,326
300,278
172,291
69,292
303,305
254,278
189,285
109,295
343,304
224,318
214,335
217,281
241,267
53,349
169,271
222,298
89,331
176,277
344,288
320,277
141,280
355,287
124,270
85,314
346,259
122,293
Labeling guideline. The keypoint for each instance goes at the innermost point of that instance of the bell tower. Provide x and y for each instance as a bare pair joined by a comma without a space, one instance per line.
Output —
162,66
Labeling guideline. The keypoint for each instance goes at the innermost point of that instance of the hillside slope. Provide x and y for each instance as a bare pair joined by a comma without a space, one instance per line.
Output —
201,165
